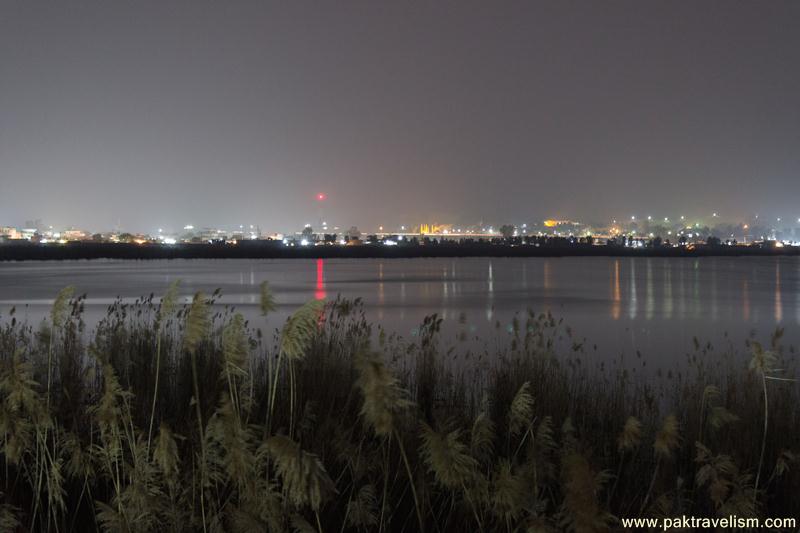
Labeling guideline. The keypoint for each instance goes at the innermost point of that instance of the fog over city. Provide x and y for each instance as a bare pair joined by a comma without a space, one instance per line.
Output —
148,114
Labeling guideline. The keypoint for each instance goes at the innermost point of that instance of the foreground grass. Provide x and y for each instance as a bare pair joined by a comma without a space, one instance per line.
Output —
182,418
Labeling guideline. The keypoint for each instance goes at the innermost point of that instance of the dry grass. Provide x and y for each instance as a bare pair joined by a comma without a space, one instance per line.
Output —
187,418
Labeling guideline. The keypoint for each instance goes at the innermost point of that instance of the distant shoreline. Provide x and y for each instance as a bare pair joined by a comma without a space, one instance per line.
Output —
277,250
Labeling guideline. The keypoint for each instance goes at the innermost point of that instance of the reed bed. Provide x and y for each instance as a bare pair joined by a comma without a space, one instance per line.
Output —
188,417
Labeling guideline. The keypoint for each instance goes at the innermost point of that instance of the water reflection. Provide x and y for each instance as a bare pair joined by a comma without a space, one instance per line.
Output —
778,302
547,280
714,308
490,294
632,307
696,288
649,305
319,292
616,296
667,291
599,297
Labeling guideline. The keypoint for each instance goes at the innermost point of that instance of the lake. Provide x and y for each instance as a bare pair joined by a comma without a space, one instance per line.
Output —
653,305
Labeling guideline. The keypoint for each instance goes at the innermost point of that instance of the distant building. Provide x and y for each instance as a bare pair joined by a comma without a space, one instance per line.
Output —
10,233
36,225
73,234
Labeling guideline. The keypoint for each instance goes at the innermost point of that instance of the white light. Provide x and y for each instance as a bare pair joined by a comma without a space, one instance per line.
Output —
342,241
169,240
390,243
188,227
304,242
286,241
44,241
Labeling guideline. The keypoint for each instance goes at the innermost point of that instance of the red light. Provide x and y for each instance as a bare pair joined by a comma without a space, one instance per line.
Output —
321,196
319,293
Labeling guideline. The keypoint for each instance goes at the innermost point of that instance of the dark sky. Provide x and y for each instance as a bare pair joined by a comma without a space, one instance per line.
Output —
160,114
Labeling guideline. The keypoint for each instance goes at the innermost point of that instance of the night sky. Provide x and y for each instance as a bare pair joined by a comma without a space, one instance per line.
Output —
160,114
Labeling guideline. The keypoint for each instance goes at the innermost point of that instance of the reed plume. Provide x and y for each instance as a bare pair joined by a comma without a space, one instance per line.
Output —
509,493
165,454
667,438
362,511
198,323
482,438
447,457
167,308
631,435
305,480
9,520
666,442
58,317
521,411
267,299
581,511
58,312
383,396
169,302
300,329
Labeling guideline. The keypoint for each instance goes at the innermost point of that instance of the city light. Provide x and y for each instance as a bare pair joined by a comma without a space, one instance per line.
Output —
571,232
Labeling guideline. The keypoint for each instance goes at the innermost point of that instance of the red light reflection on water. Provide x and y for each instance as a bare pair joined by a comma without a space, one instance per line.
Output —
320,293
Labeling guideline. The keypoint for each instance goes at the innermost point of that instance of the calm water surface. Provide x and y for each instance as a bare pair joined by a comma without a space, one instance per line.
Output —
654,305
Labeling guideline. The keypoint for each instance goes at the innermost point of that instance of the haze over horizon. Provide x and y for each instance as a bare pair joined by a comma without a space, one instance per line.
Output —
155,114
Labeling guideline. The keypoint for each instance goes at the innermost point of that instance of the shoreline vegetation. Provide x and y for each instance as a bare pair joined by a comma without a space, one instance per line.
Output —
277,250
170,417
